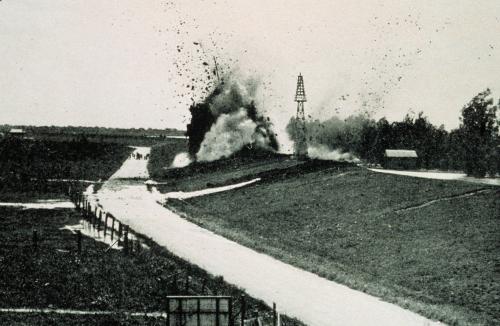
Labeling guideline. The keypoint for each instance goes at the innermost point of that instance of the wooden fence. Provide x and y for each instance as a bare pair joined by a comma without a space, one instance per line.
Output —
185,310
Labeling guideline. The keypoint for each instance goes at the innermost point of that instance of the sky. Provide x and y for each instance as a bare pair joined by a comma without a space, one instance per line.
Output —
136,63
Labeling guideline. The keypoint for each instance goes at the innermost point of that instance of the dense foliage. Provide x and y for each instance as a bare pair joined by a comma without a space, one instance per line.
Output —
480,130
473,147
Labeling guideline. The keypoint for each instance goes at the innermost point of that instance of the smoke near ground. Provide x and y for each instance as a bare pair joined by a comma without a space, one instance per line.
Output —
228,135
322,152
181,160
333,139
228,120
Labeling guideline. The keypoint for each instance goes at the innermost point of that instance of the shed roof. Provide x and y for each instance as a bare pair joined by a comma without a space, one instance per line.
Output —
400,153
16,131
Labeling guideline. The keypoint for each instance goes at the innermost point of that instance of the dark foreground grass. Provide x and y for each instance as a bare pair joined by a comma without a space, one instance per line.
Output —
440,260
56,276
16,319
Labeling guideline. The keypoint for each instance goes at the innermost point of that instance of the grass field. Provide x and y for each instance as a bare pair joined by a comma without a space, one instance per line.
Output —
162,156
56,276
27,165
350,225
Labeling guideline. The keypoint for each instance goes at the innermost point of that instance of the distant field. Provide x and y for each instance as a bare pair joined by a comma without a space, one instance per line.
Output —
26,165
440,260
126,136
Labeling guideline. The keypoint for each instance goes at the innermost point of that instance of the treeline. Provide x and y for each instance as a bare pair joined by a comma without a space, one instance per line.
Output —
473,147
93,131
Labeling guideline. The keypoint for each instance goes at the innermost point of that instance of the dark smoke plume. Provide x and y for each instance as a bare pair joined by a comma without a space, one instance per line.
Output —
228,121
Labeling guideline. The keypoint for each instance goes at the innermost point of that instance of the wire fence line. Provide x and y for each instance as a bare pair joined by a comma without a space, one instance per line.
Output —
105,227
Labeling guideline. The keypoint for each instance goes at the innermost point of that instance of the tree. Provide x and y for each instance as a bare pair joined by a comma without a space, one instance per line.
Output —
480,131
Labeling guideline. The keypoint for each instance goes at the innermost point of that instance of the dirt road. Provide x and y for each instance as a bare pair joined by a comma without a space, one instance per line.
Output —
306,296
441,176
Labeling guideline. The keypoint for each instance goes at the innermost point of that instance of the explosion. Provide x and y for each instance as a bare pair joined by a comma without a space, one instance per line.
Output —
227,121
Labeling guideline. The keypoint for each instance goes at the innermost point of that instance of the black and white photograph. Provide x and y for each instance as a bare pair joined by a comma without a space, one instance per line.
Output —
250,163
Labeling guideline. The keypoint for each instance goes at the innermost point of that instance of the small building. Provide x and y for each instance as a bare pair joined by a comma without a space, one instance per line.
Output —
400,159
17,132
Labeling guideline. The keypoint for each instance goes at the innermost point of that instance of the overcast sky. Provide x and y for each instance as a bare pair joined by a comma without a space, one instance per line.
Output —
130,63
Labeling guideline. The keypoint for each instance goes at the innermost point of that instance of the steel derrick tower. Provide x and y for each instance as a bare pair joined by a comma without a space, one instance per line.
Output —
300,137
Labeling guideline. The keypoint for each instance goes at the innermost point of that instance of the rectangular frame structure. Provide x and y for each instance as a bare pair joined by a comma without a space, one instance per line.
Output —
199,311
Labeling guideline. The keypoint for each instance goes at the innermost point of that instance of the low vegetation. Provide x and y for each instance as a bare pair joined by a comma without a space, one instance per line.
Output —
55,275
32,166
366,230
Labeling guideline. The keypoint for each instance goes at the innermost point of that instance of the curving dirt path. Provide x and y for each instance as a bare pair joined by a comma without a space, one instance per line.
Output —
297,293
441,176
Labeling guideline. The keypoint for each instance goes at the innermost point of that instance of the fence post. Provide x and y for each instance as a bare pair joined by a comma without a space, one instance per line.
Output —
126,239
35,239
105,224
112,227
99,221
275,319
243,309
120,230
79,240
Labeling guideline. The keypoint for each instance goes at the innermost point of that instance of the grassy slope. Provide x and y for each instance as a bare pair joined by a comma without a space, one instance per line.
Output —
438,260
162,155
95,280
240,167
233,171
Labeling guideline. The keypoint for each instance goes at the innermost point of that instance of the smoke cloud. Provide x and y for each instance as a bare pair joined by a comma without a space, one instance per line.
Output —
334,139
322,152
228,135
228,120
181,160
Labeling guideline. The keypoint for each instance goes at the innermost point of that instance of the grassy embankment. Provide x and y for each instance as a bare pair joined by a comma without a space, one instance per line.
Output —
162,156
440,260
56,276
27,165
225,171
